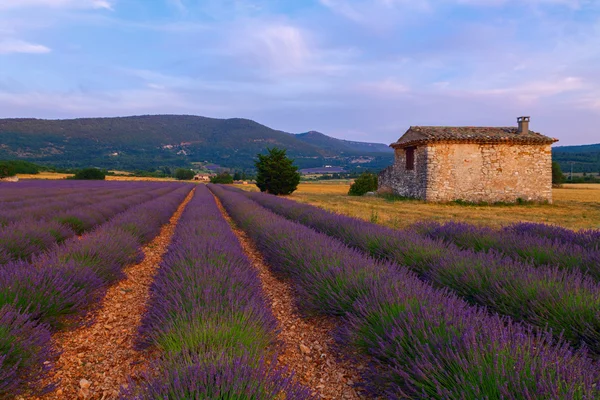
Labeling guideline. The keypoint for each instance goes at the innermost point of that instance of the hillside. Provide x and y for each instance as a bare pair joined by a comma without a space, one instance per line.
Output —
584,158
147,142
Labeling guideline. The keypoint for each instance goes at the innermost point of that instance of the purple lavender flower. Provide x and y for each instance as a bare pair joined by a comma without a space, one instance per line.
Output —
26,352
196,378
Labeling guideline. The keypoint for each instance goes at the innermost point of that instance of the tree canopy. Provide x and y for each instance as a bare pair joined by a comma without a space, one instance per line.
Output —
90,173
184,174
557,175
223,177
276,173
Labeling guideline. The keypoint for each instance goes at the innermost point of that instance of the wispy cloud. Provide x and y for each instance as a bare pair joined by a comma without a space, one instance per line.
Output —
178,4
16,4
362,69
8,46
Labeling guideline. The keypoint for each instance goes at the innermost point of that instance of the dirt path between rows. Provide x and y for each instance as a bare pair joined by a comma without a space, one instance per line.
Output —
306,344
102,352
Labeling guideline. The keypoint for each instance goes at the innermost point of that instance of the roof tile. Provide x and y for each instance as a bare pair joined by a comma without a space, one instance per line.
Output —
417,135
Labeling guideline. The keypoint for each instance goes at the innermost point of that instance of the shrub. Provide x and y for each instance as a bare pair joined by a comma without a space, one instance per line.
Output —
276,173
90,174
557,175
184,174
6,170
223,177
367,182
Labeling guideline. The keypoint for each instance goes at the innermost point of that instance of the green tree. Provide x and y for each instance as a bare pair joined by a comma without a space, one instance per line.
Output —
90,174
184,174
366,182
223,177
276,173
6,169
557,175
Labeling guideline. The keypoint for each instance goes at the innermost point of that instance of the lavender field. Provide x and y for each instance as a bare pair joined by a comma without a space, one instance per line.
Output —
435,311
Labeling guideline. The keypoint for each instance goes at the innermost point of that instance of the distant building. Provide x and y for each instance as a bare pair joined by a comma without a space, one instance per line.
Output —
328,169
203,177
476,164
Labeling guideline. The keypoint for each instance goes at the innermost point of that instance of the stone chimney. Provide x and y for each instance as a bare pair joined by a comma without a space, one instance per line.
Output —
523,124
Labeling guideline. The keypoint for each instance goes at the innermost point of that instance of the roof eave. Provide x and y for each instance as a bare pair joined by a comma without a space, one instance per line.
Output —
413,143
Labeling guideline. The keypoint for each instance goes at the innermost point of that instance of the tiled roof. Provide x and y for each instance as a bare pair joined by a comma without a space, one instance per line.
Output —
418,135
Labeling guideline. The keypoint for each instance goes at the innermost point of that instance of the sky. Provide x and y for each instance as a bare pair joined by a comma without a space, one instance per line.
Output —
362,70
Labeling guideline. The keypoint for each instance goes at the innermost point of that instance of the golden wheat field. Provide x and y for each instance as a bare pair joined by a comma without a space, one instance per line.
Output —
575,206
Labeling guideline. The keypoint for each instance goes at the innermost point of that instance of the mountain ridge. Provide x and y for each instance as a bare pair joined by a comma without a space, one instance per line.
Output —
149,141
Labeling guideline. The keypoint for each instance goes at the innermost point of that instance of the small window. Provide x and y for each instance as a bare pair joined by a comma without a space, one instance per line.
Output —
410,158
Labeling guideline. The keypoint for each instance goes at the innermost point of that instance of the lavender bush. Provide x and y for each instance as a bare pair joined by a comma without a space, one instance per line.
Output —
21,239
425,342
536,249
565,301
208,315
225,379
50,292
588,238
66,280
24,348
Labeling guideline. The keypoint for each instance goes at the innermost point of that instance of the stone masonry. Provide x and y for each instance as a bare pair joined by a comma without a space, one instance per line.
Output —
470,168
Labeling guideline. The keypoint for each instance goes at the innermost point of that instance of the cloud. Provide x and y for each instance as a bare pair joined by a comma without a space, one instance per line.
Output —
389,87
575,4
276,46
95,4
8,46
178,4
378,14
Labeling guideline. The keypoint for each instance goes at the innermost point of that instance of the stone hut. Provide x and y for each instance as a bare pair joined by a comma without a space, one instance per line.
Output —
475,164
203,177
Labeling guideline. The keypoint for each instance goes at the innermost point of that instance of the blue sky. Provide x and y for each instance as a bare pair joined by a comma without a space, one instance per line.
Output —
355,69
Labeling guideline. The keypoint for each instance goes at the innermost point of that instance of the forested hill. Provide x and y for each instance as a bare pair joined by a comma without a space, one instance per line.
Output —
147,142
584,158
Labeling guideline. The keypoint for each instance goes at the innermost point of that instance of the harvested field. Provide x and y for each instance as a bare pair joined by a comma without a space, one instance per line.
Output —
575,206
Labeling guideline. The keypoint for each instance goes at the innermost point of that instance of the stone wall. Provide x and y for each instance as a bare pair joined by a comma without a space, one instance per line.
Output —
408,183
489,172
473,172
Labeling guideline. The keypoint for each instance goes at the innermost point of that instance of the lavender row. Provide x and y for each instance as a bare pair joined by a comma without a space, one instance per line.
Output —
63,200
15,196
45,209
588,238
208,316
44,195
37,297
22,240
564,301
425,342
40,189
537,244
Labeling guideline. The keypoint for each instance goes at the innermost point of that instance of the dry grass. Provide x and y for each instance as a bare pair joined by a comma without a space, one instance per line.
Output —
44,175
575,206
138,178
